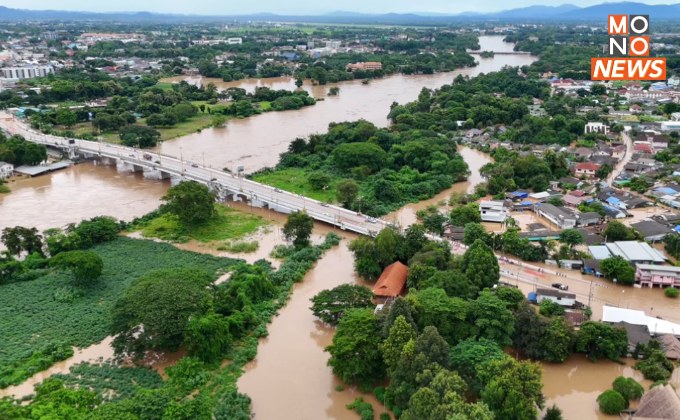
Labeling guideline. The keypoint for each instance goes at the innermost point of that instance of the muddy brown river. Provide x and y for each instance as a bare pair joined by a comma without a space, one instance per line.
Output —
289,378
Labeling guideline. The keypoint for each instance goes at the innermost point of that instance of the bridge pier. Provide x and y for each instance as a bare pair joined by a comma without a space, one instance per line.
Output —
156,174
107,161
123,166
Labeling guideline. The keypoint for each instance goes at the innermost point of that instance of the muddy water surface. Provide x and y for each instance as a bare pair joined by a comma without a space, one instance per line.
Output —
289,378
79,192
256,142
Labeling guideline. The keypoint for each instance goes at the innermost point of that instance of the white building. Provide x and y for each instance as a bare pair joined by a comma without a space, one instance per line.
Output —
29,72
670,126
6,170
492,211
656,326
561,298
596,127
235,41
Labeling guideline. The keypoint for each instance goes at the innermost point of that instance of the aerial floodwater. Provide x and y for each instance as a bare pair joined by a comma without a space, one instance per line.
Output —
256,142
89,190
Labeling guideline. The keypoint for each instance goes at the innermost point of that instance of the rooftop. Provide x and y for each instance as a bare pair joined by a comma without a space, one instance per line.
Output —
635,251
392,280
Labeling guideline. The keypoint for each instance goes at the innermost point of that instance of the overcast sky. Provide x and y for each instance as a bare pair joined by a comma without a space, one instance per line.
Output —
228,7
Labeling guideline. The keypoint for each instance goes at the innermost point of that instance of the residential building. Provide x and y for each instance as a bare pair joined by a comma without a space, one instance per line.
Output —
660,402
586,169
588,218
6,170
557,296
648,275
368,65
492,211
28,72
557,215
651,230
596,127
656,326
631,251
391,283
235,41
670,126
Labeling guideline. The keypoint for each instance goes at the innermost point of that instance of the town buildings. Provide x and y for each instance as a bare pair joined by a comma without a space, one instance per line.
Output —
493,211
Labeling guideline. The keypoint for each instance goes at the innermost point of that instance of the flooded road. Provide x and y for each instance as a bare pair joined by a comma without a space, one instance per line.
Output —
79,192
256,142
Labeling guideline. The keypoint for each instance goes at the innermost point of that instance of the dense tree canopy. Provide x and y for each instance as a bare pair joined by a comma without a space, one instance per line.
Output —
155,310
192,203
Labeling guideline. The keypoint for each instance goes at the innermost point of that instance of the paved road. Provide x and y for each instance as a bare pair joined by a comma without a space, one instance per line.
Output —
281,201
628,142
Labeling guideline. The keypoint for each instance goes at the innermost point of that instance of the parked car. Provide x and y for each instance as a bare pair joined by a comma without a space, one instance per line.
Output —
194,165
560,286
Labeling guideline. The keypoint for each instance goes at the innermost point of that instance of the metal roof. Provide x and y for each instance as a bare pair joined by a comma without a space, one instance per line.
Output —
635,251
599,252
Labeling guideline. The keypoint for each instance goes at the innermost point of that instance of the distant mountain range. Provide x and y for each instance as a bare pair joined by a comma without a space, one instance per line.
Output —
565,12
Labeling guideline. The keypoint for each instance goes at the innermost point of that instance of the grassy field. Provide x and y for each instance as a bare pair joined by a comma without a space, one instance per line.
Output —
295,180
194,124
229,224
46,312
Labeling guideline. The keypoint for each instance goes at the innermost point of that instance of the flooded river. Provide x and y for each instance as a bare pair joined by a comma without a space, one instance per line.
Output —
289,378
256,142
79,192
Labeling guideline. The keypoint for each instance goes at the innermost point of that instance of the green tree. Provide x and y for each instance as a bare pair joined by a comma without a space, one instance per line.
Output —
611,402
468,213
86,266
550,308
94,231
671,292
386,244
617,268
474,231
480,265
207,337
553,413
366,262
629,388
155,310
330,305
598,340
469,355
355,352
494,321
401,333
66,117
617,231
298,228
655,366
351,155
20,239
399,307
433,346
318,180
192,203
346,191
558,340
512,389
571,237
139,136
448,315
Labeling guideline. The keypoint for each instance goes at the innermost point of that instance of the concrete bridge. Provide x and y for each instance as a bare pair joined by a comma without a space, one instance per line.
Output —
227,186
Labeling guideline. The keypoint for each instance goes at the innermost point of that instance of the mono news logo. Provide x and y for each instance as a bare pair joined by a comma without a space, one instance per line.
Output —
629,49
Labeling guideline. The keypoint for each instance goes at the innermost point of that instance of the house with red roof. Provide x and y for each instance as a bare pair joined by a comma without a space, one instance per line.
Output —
391,283
586,169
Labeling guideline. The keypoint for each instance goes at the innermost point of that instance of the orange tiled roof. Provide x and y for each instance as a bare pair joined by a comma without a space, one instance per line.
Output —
392,280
